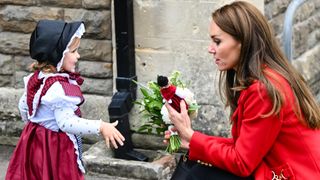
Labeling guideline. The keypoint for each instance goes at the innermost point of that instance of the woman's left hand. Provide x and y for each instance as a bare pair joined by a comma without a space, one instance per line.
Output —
181,121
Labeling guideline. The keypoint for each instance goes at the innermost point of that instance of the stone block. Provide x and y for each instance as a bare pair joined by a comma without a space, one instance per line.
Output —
313,38
301,34
213,120
95,69
98,86
9,98
64,3
276,7
184,56
14,43
309,65
11,127
8,140
304,11
18,2
173,19
24,19
23,63
6,65
96,107
96,50
96,4
19,75
6,80
98,23
148,141
99,159
277,24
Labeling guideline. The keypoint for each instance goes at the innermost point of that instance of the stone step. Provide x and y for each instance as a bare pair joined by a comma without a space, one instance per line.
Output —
99,160
94,176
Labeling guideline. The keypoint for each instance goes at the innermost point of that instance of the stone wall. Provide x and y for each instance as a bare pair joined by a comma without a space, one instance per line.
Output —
169,35
18,19
306,36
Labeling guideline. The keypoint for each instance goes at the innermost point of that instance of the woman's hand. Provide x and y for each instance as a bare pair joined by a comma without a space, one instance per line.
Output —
181,122
111,134
184,144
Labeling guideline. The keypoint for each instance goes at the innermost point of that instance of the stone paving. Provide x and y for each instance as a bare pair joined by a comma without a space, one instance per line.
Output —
153,170
5,154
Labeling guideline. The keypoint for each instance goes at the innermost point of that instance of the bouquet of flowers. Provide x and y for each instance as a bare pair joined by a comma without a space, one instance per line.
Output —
155,113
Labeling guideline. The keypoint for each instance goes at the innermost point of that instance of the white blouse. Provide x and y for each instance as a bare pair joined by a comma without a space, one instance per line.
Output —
56,111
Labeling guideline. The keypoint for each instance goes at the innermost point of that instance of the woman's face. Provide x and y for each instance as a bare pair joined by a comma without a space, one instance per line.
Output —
224,48
71,58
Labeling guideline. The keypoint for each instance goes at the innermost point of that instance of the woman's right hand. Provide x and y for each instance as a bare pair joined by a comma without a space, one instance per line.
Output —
184,143
182,123
111,134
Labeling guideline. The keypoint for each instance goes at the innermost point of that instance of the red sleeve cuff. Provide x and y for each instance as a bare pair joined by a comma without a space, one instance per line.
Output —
196,146
199,144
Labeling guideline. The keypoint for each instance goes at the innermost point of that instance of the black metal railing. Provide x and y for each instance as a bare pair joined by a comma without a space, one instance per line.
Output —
122,100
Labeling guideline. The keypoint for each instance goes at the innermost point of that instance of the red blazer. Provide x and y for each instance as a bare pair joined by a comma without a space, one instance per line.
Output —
263,146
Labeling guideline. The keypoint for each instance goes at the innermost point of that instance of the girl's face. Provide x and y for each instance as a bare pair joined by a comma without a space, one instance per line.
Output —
71,57
224,48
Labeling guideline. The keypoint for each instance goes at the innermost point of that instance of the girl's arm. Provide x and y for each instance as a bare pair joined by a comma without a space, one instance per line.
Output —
71,123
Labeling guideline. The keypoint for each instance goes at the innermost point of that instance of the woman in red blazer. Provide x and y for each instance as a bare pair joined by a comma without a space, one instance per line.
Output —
275,119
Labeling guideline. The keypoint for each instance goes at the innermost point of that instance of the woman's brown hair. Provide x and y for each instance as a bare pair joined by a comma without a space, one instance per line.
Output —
247,25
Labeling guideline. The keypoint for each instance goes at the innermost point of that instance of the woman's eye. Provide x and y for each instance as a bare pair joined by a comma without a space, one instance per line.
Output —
217,41
74,50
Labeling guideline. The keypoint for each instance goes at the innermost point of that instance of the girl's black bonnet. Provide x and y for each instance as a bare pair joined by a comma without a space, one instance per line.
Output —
50,38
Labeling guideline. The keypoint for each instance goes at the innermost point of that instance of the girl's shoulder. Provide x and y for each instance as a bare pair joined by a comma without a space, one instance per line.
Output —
56,92
56,96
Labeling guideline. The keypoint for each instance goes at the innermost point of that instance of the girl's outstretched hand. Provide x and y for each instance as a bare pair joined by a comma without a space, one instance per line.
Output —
111,134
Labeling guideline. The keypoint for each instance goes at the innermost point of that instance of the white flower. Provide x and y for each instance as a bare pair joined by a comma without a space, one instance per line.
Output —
165,115
189,97
186,94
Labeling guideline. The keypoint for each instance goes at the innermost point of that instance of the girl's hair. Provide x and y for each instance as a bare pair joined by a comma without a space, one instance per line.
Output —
44,67
247,25
47,67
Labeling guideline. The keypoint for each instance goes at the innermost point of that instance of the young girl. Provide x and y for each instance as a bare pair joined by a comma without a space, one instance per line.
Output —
50,145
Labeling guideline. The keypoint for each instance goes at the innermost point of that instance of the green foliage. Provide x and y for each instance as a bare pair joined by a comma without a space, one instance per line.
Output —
174,144
151,104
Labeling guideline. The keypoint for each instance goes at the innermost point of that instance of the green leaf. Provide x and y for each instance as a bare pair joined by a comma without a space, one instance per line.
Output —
144,92
193,107
144,127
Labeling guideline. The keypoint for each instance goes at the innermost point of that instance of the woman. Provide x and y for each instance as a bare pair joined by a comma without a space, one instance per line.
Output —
275,119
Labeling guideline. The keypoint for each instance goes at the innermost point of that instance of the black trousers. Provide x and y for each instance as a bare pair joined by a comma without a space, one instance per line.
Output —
201,172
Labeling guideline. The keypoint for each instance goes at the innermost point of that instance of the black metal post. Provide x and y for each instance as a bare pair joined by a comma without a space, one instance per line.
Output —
122,101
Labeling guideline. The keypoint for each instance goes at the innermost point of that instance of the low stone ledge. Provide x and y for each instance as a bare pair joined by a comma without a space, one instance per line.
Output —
8,140
99,159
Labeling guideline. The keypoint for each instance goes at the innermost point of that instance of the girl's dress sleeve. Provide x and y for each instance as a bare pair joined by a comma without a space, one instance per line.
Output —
23,107
64,107
256,137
